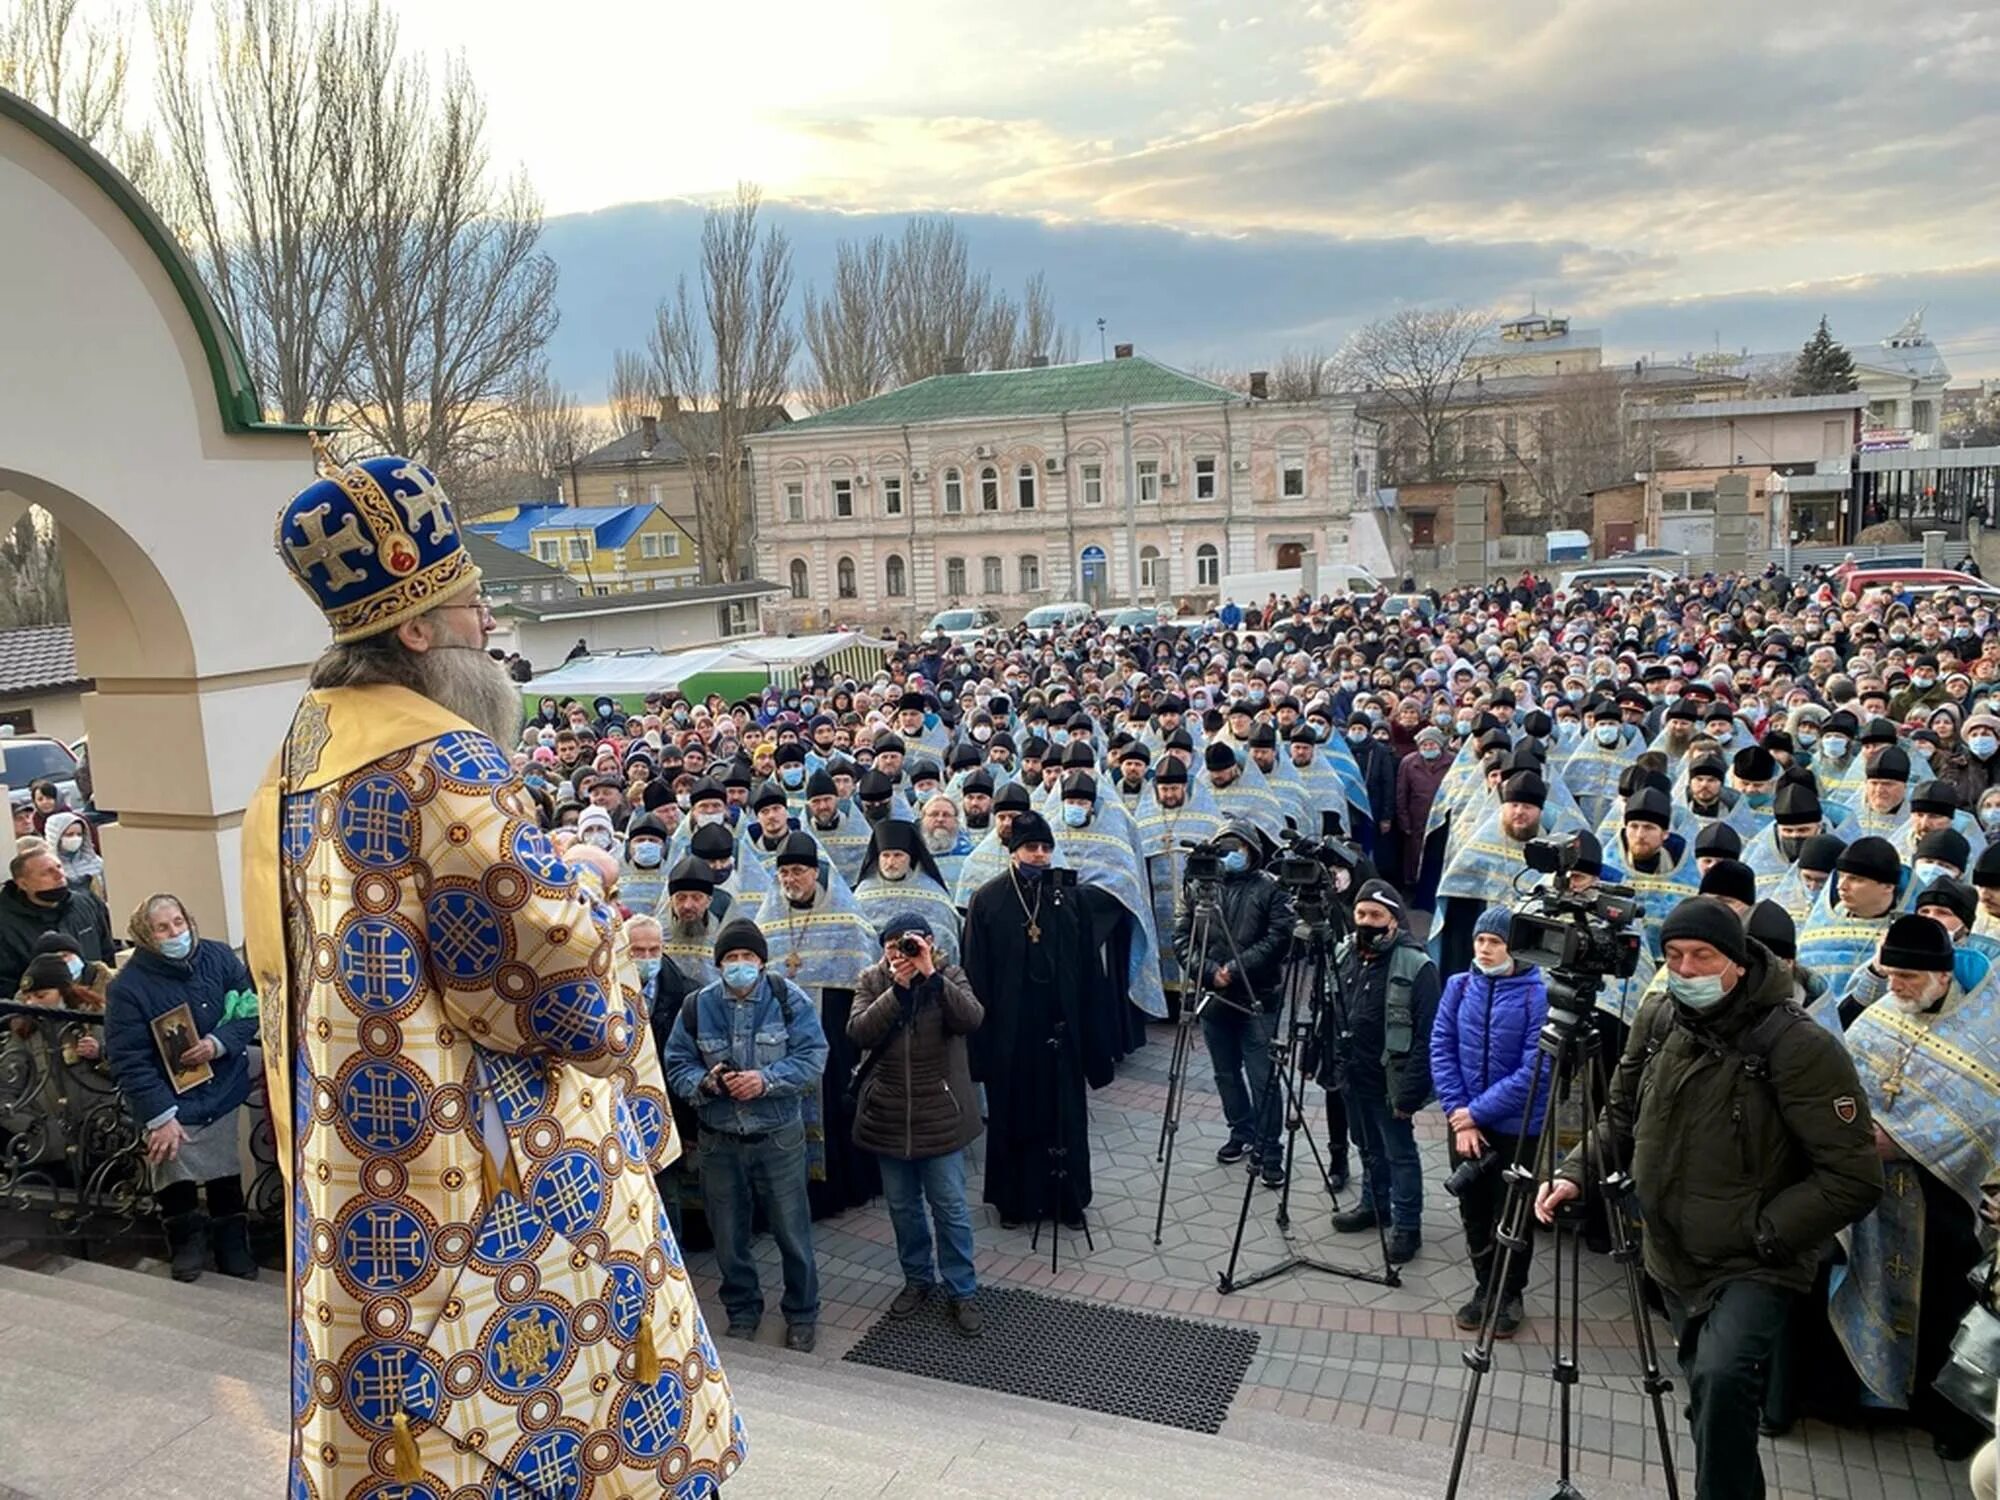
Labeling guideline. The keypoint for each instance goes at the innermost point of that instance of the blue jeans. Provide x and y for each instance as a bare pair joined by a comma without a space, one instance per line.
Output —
1393,1177
1239,1048
940,1180
737,1177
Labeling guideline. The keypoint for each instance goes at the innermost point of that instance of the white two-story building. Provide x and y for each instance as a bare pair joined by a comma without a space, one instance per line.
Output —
1102,482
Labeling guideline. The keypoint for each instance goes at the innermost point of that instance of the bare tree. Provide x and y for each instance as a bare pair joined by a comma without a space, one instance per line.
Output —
1415,359
846,341
32,586
542,432
449,296
1580,435
1302,374
251,160
631,395
724,350
64,64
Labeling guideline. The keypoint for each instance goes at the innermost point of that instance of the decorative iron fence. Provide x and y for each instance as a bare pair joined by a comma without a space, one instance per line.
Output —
73,1168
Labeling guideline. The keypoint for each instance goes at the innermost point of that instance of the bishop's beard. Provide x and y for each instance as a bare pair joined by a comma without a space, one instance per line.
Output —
474,686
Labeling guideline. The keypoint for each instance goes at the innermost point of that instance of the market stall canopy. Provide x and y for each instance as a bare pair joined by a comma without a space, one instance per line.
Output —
734,669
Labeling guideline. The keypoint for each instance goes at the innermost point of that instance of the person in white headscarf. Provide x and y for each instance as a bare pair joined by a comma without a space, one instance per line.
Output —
69,836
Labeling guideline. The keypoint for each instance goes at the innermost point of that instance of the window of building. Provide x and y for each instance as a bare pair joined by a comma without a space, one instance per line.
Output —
1024,486
795,500
1292,476
1149,478
989,488
1031,572
954,577
671,544
1093,484
548,550
1681,502
579,549
992,578
843,498
603,589
1204,478
954,493
649,544
735,617
1207,566
1149,567
892,495
801,579
843,578
894,581
1920,416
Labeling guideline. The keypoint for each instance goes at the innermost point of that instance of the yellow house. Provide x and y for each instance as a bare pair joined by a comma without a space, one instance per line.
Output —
608,549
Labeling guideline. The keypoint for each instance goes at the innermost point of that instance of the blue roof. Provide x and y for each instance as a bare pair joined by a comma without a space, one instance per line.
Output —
610,525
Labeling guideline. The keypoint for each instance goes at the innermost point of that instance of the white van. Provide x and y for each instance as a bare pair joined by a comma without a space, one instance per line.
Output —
1047,619
1286,583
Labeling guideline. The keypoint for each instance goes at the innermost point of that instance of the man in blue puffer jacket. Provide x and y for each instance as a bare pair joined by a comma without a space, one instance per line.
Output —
1482,1058
190,1133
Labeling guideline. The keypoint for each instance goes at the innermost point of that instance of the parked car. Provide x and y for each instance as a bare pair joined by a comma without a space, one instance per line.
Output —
962,625
1608,577
1400,604
1639,554
28,758
1915,581
1133,617
1048,619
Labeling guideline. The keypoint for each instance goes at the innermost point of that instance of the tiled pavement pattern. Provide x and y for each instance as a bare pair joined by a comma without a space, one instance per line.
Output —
1342,1352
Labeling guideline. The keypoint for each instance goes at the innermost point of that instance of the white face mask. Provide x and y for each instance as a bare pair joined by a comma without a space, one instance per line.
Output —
1493,970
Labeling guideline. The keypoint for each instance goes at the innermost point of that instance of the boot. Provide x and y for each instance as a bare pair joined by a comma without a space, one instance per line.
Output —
1336,1171
230,1238
187,1242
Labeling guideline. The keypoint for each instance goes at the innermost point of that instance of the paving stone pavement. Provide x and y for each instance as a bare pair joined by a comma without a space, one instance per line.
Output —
1347,1352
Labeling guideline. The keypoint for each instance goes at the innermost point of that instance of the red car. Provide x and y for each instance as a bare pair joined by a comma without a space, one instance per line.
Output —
1913,580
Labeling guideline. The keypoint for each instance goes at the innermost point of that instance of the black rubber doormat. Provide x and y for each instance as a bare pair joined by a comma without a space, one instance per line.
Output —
1173,1371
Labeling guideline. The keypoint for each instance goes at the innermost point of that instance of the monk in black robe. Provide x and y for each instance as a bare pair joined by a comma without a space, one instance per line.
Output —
1035,966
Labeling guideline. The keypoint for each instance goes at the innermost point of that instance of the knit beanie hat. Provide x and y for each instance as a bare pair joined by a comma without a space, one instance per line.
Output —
742,933
1955,896
1771,925
1915,942
1493,922
1731,878
1872,859
1704,919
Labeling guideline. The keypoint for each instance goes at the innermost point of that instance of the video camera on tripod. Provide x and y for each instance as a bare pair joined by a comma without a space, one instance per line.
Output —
1578,939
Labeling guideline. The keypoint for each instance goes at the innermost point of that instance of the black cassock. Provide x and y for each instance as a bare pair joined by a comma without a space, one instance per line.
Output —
1036,992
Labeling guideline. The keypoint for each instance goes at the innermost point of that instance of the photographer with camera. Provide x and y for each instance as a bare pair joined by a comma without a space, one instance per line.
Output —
1243,967
917,1111
1483,1048
1392,998
1751,1145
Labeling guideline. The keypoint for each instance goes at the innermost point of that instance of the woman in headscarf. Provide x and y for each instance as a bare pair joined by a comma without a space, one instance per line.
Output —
69,835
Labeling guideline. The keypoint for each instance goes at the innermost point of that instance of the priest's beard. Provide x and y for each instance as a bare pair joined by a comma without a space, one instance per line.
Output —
940,840
474,686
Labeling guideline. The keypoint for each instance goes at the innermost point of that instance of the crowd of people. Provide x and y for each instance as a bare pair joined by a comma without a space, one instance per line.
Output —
871,921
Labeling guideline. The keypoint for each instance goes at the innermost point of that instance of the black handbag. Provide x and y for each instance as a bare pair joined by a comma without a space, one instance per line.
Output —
1970,1378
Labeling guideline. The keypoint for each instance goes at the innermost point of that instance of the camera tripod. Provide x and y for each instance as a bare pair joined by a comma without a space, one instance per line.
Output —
1206,922
1566,1060
1315,990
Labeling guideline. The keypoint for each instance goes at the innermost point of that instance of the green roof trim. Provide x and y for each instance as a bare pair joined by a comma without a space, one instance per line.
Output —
235,389
1101,385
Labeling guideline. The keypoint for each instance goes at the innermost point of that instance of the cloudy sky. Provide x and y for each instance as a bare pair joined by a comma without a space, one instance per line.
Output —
1220,177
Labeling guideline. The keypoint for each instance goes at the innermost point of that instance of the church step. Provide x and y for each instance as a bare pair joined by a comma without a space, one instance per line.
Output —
159,1309
52,1335
258,1302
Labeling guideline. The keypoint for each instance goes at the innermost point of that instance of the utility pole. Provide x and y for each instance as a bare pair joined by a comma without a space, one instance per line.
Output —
1100,340
1131,511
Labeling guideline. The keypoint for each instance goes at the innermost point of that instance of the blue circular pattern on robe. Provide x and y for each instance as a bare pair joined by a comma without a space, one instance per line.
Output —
630,1141
649,1418
295,827
383,1246
376,1381
527,1348
382,1107
376,823
470,758
398,1489
651,1118
549,1465
569,1192
377,965
302,1366
628,1297
573,1018
511,1231
531,849
300,1487
697,1487
465,938
519,1088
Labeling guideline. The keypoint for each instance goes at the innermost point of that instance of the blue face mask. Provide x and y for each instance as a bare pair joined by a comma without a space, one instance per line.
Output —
180,945
1607,734
539,783
1430,752
649,969
741,974
793,775
1235,861
1075,814
646,854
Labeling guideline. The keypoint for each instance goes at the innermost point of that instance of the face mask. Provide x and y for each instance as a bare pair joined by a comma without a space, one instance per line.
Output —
1723,734
1235,861
1371,939
1060,737
646,855
1575,695
1493,970
741,974
539,783
71,843
1606,734
1075,814
981,733
874,812
1807,741
1568,731
1835,745
1982,745
708,820
598,837
649,969
1759,800
1358,733
1430,752
1921,683
180,945
723,870
1704,993
1928,871
75,967
1464,726
793,775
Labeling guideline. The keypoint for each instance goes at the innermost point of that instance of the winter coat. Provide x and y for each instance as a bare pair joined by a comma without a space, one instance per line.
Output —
1258,914
1417,783
1378,769
918,1100
1483,1048
80,914
1740,1178
150,985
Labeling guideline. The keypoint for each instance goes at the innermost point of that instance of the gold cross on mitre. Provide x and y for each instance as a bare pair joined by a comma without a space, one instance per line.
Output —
330,552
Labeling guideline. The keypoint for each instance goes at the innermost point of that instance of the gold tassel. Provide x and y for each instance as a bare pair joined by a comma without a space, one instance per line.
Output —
649,1357
489,1179
409,1466
510,1177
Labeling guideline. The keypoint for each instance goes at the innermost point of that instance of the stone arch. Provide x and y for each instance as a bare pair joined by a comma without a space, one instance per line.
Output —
131,419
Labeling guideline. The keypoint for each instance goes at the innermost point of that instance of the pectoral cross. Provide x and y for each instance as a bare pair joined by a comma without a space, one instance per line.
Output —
1034,930
794,961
